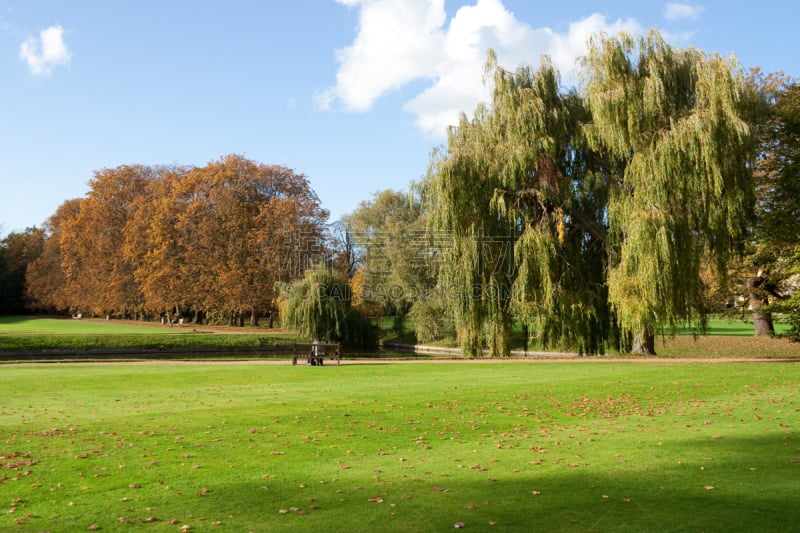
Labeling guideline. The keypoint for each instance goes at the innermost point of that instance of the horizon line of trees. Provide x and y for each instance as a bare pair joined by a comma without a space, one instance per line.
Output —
596,218
664,190
201,243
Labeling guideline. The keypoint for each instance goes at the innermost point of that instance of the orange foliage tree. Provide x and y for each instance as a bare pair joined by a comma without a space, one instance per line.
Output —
206,241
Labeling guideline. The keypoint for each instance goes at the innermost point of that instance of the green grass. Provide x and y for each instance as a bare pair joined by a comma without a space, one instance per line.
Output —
36,333
589,446
728,327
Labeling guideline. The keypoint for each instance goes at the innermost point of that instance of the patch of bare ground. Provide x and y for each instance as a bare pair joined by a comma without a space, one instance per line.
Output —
715,346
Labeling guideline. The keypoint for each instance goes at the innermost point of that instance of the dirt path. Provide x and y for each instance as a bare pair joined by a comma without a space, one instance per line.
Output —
384,361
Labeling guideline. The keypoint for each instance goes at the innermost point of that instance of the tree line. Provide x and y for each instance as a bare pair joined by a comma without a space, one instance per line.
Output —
663,190
202,243
665,187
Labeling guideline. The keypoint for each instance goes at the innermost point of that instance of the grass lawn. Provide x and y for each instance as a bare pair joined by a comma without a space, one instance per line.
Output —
585,446
37,333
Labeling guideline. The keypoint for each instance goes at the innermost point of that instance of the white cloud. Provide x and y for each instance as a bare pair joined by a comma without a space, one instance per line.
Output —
47,52
674,11
400,41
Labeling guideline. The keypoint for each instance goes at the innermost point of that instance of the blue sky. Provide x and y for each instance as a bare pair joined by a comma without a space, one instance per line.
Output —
352,93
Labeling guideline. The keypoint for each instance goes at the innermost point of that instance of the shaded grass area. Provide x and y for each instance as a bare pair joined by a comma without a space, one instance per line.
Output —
511,447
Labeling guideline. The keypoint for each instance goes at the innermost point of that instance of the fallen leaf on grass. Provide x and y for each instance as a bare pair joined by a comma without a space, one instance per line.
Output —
709,487
375,499
459,525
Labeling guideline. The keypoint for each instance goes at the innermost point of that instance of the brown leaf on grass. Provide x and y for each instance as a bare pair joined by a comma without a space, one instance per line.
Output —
438,489
375,499
459,525
93,527
709,487
134,486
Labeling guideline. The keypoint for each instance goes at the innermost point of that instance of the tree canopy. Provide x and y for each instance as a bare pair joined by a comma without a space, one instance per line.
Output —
152,240
587,213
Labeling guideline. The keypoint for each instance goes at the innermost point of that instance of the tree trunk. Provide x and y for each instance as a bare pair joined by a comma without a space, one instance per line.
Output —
644,343
254,319
762,320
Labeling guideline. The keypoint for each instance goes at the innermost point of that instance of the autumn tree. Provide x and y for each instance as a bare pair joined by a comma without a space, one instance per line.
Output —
45,277
99,278
215,239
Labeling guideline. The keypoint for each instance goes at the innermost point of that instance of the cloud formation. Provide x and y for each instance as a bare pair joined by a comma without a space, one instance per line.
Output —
675,11
46,52
401,41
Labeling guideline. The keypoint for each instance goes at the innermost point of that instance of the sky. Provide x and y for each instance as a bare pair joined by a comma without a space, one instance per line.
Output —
354,94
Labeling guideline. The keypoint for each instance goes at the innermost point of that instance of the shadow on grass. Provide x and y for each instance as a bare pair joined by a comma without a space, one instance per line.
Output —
734,485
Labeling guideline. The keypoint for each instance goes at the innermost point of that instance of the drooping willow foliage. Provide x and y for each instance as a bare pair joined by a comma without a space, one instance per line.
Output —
320,307
586,215
676,122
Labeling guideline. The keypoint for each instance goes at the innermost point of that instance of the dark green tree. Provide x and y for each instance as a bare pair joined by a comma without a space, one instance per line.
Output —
773,261
17,251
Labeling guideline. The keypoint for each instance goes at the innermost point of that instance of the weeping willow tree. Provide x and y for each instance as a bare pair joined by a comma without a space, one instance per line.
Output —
673,122
587,215
319,307
524,199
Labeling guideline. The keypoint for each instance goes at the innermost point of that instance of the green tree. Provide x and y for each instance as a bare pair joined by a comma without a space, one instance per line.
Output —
609,199
523,198
17,251
773,261
390,232
319,306
675,123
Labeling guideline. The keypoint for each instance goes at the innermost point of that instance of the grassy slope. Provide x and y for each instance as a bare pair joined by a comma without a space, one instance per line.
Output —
545,447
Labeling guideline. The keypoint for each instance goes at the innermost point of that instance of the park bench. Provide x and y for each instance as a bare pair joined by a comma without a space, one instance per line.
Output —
306,351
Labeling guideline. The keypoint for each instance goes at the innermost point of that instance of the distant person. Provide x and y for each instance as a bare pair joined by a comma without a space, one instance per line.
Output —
315,352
